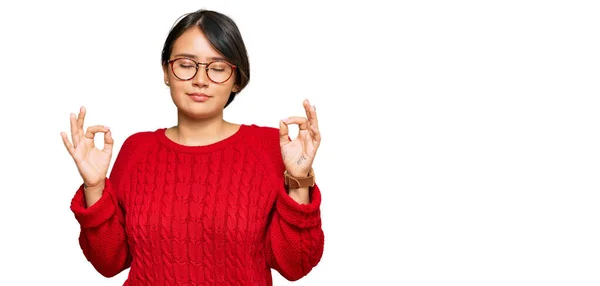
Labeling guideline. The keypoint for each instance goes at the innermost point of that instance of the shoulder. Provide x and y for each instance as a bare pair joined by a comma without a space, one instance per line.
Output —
135,143
267,140
128,153
138,139
266,136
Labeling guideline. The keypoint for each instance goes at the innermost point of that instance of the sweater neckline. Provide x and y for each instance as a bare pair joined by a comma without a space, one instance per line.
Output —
162,138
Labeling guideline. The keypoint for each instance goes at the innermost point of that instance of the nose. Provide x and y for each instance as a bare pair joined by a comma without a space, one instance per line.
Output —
201,77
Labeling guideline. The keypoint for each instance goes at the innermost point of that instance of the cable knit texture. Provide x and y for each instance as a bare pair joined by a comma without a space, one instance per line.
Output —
200,215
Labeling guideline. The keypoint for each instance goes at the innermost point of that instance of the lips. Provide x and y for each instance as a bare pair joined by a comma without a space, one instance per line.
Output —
199,97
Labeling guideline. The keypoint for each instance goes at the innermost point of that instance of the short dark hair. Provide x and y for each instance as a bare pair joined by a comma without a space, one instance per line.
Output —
222,33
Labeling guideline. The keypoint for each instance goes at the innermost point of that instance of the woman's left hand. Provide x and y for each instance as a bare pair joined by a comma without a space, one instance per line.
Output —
298,154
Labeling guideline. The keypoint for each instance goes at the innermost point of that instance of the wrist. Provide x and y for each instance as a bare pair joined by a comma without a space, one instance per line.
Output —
300,174
300,195
94,188
93,193
305,180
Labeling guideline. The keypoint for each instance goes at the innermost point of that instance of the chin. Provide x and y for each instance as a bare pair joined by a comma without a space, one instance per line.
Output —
200,112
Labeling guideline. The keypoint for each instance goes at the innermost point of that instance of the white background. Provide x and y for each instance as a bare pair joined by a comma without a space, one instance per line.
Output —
460,138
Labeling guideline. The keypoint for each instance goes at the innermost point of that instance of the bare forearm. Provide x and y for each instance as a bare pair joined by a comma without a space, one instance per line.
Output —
300,195
93,194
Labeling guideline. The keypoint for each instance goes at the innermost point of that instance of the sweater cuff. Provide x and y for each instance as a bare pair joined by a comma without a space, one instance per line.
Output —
300,215
98,213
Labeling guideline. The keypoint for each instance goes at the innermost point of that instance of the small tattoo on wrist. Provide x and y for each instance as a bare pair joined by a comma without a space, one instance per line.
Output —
301,160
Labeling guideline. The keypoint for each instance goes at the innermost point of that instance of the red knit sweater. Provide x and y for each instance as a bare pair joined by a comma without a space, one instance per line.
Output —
204,215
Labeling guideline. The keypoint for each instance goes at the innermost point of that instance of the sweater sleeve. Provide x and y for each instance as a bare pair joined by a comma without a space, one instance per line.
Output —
102,235
295,238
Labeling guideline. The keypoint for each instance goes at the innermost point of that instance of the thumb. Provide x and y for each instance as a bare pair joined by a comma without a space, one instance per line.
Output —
108,142
284,136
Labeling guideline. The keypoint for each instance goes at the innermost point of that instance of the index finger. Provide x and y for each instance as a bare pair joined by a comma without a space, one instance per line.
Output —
302,122
92,130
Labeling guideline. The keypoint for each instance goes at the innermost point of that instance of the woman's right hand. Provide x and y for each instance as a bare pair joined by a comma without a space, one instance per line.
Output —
92,163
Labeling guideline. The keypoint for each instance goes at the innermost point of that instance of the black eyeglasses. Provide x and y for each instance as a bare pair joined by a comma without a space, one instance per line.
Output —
217,71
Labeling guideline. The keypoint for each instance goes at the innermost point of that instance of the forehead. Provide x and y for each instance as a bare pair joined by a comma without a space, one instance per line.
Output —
194,43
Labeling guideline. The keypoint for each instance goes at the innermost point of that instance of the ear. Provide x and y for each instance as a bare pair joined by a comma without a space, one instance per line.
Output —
166,74
236,88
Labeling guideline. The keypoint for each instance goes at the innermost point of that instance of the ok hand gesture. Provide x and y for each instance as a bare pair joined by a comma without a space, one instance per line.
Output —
92,163
299,154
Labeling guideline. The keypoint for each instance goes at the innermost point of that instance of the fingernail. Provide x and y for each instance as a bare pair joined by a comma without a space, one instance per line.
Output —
314,107
107,127
285,120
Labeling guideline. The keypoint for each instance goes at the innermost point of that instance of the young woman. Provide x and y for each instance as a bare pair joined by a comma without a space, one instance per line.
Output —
205,202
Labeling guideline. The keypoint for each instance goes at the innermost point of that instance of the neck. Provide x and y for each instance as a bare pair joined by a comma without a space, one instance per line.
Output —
195,132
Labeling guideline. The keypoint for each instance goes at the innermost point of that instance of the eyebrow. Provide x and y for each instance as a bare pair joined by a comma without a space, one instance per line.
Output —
185,55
